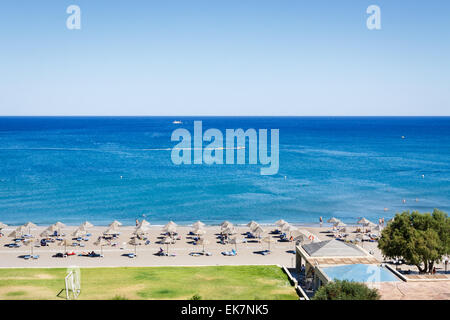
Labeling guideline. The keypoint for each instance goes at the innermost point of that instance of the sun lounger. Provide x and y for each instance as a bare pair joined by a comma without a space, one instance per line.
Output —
96,255
230,253
28,256
195,254
60,255
263,252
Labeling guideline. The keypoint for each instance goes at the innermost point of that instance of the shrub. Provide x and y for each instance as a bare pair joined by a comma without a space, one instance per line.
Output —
346,290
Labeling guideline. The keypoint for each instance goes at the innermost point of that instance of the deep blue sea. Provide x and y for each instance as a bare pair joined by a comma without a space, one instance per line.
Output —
104,168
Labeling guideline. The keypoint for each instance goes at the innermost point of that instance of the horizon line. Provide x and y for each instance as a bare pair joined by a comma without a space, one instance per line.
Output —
230,116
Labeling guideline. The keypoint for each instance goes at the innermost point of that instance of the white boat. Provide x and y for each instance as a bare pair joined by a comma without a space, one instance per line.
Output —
177,122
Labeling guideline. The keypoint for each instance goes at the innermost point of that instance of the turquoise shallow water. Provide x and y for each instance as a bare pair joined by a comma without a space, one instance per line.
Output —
70,169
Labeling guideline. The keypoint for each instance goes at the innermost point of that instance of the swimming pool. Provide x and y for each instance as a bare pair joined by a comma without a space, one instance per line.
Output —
360,273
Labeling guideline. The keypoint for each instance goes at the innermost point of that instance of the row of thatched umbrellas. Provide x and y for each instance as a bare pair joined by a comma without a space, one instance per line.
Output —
362,221
22,230
227,228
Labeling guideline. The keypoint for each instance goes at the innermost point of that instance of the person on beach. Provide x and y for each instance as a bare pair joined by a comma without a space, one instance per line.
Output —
321,221
446,264
137,222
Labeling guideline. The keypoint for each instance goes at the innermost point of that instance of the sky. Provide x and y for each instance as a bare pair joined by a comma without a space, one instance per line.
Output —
225,57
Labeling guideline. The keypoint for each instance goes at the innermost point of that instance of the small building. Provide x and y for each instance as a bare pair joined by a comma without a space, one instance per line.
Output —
313,257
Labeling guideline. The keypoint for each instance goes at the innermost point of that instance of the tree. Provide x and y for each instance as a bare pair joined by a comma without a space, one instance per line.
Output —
346,290
421,239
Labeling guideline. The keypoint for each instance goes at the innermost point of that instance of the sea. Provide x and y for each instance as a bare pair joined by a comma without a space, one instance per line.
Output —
72,169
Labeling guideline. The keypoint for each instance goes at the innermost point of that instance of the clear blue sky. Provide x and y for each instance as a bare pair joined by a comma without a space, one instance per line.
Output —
224,57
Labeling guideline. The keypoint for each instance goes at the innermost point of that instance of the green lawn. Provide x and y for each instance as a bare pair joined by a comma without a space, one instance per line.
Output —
224,283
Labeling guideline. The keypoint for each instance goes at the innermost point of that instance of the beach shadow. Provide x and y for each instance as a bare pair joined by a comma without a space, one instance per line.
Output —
262,252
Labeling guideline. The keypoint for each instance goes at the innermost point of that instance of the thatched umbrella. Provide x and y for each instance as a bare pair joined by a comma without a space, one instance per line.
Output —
29,225
56,227
144,223
235,241
112,229
199,232
167,241
258,230
52,228
79,232
31,243
289,228
365,223
362,221
18,232
226,225
252,224
170,228
280,222
268,240
203,242
300,237
135,242
115,224
198,225
65,243
101,242
2,225
142,230
340,224
282,226
59,225
333,220
87,224
46,233
170,223
15,234
229,230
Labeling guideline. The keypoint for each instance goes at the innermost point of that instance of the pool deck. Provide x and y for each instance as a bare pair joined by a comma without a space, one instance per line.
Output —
416,290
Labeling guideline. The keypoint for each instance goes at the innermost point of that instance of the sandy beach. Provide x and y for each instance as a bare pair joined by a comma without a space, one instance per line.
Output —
113,256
